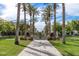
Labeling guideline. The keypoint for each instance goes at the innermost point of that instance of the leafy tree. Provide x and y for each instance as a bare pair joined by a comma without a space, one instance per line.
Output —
58,28
6,26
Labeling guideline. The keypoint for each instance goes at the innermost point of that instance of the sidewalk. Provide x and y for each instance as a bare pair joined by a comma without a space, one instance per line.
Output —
40,48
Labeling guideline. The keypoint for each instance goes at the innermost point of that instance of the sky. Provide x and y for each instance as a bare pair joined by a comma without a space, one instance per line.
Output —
8,11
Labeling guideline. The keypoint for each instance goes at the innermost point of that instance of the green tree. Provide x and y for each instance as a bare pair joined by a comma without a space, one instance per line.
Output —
72,25
69,27
6,26
58,28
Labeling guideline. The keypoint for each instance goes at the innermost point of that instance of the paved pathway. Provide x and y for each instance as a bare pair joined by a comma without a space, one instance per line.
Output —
40,48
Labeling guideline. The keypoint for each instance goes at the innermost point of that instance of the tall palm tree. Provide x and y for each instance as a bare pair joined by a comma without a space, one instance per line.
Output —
63,23
17,24
54,20
47,15
29,10
44,17
50,9
24,9
34,12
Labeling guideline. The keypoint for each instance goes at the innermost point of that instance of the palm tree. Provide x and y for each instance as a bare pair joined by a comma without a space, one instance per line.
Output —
49,16
47,12
24,9
44,17
29,10
17,24
63,23
34,12
54,20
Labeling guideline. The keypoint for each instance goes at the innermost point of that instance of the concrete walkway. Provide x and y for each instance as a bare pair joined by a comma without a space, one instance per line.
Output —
40,48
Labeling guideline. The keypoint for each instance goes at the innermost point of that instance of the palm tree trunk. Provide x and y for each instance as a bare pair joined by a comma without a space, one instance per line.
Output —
33,24
17,25
49,22
46,30
54,20
63,23
25,19
49,27
30,24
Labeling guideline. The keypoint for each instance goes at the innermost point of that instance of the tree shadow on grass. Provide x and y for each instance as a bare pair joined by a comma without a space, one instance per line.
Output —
77,45
69,54
22,45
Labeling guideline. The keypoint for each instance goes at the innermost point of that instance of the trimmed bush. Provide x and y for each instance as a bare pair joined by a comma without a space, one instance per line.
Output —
22,38
27,38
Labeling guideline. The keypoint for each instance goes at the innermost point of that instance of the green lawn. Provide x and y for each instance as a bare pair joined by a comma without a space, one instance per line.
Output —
71,48
8,48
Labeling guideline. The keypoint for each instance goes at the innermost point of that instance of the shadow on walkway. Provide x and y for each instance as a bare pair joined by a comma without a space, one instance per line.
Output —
45,52
33,53
41,44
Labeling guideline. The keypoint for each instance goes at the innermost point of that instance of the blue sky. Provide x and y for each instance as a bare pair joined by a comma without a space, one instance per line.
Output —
2,7
41,5
68,16
8,11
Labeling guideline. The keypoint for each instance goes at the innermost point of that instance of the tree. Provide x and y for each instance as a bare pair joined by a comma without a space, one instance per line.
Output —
69,27
6,27
72,25
58,27
24,9
54,20
17,24
29,10
44,17
63,23
22,28
34,12
75,24
47,13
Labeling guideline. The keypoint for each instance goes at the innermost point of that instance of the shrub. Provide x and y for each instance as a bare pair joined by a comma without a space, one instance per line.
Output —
49,38
27,38
22,38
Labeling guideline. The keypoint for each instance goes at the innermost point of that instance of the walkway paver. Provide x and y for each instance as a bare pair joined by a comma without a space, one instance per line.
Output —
40,48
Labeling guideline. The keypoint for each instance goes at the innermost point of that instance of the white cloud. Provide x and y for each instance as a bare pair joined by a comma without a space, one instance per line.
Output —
40,26
72,9
10,11
8,1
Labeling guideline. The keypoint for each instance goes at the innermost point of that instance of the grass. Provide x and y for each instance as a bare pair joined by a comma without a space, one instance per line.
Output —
8,48
71,48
